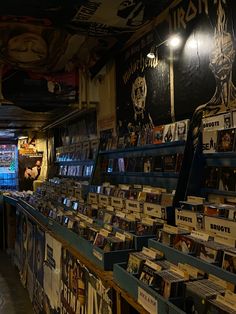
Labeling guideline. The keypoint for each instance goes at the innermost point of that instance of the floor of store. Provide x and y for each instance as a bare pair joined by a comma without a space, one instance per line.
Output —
14,298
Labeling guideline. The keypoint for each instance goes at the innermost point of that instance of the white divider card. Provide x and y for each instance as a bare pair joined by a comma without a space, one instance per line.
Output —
149,252
120,236
220,226
109,208
117,202
147,301
93,198
133,205
200,235
98,255
222,239
170,229
188,218
154,210
215,122
103,199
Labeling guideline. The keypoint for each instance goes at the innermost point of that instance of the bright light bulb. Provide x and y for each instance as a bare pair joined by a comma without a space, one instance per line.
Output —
151,55
175,41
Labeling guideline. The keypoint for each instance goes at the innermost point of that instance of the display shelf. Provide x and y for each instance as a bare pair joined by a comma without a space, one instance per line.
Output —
75,177
144,174
165,148
225,159
104,260
206,191
135,287
174,256
76,162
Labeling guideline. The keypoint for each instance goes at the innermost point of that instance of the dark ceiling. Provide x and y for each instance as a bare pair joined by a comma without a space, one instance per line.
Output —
43,43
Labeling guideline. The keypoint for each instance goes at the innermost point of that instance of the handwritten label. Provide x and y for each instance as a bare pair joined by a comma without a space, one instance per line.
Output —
200,235
147,301
170,229
117,202
133,205
103,199
98,255
120,236
93,198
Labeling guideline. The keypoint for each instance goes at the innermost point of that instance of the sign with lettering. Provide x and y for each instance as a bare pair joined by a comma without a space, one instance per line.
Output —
93,198
133,205
147,301
103,199
117,202
220,226
154,210
188,218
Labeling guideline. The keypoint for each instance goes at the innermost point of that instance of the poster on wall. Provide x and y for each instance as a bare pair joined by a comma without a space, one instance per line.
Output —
81,291
30,169
143,89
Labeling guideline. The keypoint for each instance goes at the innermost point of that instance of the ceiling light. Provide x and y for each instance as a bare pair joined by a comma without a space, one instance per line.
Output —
174,41
151,54
22,137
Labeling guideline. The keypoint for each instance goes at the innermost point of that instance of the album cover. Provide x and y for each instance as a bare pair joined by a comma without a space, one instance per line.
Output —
40,254
181,130
169,163
131,164
99,240
227,179
94,145
211,177
121,142
133,139
169,133
185,244
135,263
113,244
147,164
110,165
179,161
209,141
148,273
167,199
226,140
229,262
169,284
121,164
210,252
158,134
139,165
153,198
144,229
157,164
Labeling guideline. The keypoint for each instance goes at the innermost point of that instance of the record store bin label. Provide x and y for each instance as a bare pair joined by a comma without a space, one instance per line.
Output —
187,218
220,226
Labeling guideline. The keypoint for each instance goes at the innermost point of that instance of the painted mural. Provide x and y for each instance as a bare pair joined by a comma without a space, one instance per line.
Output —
204,65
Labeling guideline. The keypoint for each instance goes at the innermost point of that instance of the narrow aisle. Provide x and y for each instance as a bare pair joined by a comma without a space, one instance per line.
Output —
14,297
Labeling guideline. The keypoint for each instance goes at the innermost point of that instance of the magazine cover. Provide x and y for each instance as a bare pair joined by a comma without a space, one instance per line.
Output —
209,141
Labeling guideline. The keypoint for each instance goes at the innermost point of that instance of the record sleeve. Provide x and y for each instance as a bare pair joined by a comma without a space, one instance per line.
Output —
158,134
227,179
157,164
181,131
226,140
135,262
169,133
209,141
169,162
212,177
229,262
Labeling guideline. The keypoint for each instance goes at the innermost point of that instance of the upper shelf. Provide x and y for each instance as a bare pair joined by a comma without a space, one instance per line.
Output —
163,148
225,159
76,162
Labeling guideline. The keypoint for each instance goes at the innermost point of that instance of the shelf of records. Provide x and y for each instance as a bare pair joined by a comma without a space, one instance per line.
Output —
85,150
57,280
82,171
104,226
146,136
218,133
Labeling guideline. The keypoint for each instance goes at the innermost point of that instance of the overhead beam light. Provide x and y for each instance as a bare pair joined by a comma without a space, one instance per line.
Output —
22,137
174,41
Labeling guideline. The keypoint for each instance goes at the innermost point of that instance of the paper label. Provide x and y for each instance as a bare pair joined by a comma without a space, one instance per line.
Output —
170,229
153,265
220,226
200,235
117,202
121,215
133,205
103,199
154,210
120,236
225,240
109,208
148,221
93,198
186,218
104,232
147,301
98,255
149,252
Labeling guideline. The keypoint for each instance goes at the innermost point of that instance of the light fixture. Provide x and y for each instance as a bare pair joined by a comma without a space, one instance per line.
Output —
174,41
151,54
23,137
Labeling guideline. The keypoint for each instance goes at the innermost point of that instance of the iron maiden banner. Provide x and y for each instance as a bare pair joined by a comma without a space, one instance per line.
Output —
203,65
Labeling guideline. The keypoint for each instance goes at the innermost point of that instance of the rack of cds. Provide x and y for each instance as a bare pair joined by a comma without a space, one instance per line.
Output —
77,160
192,265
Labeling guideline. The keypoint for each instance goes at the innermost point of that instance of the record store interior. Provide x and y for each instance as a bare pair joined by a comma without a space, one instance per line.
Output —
118,157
